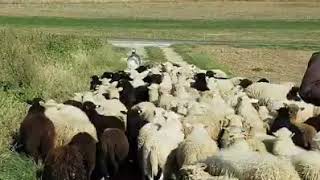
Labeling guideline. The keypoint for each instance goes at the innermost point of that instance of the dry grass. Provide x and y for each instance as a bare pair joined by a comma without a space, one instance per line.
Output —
168,10
274,64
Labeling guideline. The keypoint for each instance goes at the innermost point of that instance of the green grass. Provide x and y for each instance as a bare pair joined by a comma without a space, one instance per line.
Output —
161,24
155,55
289,34
38,64
200,59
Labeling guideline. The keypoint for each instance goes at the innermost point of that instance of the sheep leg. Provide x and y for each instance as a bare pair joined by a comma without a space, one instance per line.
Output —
31,148
161,177
103,168
141,164
114,163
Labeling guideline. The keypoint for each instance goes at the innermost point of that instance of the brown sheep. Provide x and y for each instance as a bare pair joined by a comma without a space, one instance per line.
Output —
37,133
307,130
287,117
314,122
74,161
112,151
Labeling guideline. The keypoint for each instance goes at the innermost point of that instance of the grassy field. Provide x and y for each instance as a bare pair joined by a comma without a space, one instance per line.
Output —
270,24
297,34
198,58
48,66
171,9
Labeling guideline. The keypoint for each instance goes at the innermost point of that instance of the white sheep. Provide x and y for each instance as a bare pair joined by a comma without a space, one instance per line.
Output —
240,162
153,93
219,73
156,147
168,102
166,84
231,97
268,91
316,141
107,107
196,172
197,147
68,121
146,110
284,146
307,164
250,114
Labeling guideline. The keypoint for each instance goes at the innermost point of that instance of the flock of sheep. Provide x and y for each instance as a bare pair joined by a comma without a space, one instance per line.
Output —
175,122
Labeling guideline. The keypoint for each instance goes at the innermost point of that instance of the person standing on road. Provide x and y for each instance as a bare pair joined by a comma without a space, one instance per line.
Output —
310,85
134,60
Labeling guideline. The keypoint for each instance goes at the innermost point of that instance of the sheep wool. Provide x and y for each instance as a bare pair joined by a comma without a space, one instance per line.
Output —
307,164
197,147
238,161
69,121
156,144
284,145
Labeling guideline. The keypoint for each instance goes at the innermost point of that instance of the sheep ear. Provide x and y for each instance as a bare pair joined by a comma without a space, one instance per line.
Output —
42,103
120,89
292,135
275,134
115,83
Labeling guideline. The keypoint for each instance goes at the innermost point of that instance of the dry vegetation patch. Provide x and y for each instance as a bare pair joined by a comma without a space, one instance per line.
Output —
171,9
275,64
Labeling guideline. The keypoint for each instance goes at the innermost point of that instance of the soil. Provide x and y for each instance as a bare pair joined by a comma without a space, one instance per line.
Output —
277,65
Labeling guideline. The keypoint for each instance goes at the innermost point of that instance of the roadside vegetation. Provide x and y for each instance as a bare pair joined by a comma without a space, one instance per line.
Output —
156,55
38,64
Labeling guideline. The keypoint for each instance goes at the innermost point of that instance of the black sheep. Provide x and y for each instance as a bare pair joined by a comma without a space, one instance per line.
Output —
101,122
120,75
141,94
134,123
37,132
263,80
112,151
127,95
75,161
73,103
200,83
285,114
141,69
94,82
293,94
314,122
153,79
244,83
210,74
107,75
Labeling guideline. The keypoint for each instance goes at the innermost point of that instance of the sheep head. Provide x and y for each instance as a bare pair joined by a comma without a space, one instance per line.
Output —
283,133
